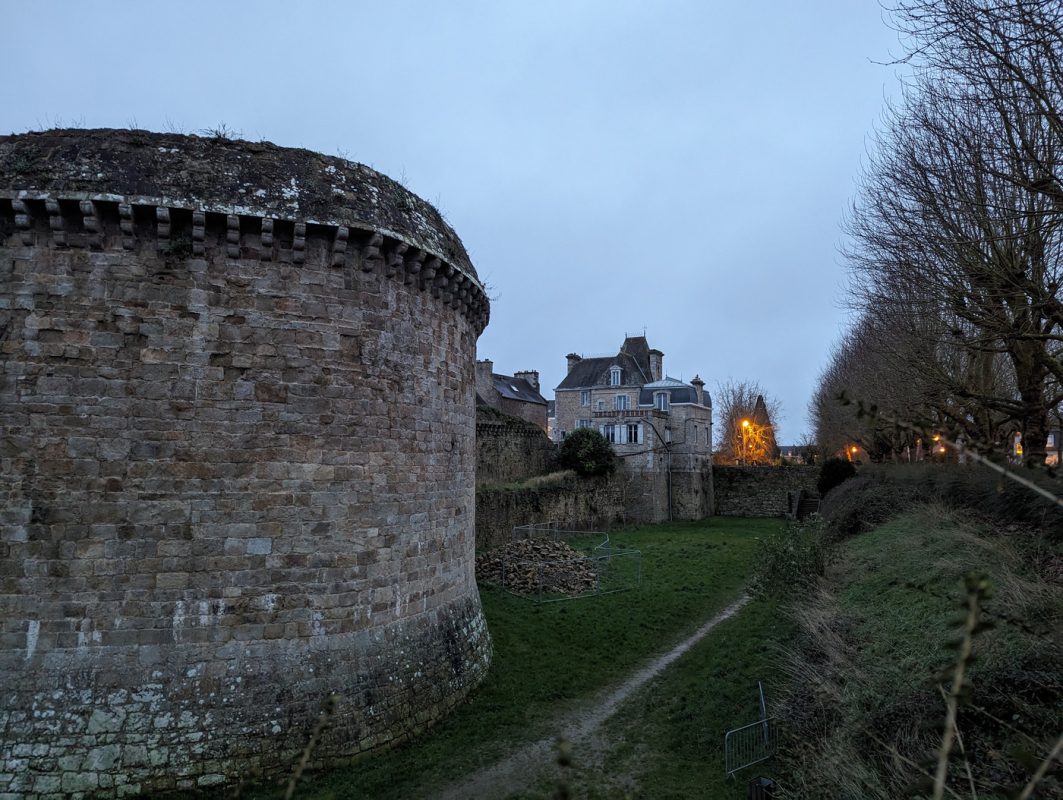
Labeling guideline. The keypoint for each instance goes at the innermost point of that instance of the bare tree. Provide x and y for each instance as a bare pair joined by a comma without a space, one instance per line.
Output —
753,442
958,231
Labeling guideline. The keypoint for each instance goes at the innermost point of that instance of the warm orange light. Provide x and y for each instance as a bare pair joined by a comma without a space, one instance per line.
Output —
937,438
855,449
745,423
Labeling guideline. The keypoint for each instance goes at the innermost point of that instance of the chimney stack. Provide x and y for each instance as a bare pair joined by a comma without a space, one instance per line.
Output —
573,360
699,388
485,384
656,365
530,375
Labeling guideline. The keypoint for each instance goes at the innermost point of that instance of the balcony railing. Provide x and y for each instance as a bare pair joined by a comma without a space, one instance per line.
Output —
637,413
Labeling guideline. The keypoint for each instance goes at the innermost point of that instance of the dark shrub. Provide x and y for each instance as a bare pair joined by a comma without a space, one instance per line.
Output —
587,452
833,472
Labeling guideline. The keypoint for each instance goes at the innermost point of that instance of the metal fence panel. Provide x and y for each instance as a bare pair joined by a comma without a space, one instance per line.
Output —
749,744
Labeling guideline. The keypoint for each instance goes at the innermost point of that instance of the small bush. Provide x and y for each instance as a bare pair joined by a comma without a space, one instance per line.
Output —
834,472
587,452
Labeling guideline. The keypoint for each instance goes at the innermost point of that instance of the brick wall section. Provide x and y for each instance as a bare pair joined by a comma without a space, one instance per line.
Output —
236,477
759,491
509,449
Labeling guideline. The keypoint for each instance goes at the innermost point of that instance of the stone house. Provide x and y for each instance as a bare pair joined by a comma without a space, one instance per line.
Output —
517,394
653,421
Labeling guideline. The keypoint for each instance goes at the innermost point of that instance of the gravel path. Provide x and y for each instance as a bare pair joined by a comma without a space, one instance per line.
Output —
530,764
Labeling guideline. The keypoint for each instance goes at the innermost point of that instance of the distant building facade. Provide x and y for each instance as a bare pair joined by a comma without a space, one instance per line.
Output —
1052,446
517,394
646,415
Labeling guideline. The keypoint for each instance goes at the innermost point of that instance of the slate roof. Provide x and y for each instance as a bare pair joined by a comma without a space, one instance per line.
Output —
633,359
516,389
680,392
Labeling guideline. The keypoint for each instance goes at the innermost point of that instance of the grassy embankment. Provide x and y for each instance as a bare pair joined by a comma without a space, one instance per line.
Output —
550,656
877,651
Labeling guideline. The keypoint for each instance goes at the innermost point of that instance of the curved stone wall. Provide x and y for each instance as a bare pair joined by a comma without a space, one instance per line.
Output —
237,469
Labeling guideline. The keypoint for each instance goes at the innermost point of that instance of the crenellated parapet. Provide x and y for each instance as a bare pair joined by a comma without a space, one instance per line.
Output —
109,222
238,463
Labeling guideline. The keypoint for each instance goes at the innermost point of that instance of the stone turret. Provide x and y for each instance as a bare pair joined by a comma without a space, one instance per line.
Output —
218,354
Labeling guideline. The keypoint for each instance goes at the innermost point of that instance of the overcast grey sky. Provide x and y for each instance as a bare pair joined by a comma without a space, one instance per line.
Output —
678,167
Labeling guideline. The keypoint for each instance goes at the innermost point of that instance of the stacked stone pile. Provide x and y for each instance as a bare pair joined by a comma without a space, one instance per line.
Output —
533,566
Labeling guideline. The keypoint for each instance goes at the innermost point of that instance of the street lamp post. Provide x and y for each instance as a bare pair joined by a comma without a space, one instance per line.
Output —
745,447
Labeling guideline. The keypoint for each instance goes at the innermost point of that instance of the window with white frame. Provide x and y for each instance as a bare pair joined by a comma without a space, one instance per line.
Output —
660,401
634,433
620,402
614,376
583,423
585,398
610,433
599,405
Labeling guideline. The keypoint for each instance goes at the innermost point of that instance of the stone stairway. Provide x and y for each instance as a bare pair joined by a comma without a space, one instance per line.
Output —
809,504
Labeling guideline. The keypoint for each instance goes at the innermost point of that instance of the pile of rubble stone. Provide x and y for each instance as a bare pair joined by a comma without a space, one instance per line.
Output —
537,566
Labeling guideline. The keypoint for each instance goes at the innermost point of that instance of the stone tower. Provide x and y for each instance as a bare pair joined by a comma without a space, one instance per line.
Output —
236,469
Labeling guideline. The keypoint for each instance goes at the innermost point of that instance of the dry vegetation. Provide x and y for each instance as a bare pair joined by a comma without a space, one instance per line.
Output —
875,666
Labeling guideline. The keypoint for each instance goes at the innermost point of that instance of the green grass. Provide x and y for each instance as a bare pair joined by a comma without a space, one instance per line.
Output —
673,731
903,594
551,655
878,646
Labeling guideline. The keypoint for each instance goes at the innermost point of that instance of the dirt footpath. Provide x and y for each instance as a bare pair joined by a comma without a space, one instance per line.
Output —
581,728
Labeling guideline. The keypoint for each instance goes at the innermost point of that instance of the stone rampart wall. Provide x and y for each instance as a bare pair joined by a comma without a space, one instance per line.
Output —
574,503
509,449
627,497
759,491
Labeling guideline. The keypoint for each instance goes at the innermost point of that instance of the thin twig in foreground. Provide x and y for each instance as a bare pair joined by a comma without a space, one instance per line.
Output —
1042,770
963,752
322,721
976,586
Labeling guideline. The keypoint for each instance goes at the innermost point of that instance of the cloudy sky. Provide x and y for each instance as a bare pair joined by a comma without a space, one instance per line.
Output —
679,168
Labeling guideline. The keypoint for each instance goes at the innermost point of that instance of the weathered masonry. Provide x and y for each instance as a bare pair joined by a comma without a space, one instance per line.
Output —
236,465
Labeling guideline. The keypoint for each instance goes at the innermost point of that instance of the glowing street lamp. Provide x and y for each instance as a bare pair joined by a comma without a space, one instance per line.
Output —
745,447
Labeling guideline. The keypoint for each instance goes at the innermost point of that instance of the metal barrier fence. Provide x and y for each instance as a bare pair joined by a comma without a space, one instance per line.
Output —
547,530
749,744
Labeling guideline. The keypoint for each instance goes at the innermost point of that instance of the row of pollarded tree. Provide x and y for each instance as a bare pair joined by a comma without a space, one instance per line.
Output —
957,239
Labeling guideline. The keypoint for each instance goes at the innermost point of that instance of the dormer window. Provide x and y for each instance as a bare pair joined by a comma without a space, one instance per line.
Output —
614,376
660,401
